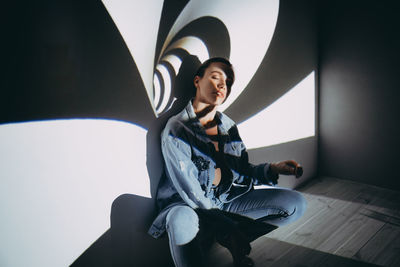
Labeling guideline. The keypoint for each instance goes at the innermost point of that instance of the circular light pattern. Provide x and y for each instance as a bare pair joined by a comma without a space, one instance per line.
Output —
205,28
211,28
157,90
174,61
167,87
191,40
192,46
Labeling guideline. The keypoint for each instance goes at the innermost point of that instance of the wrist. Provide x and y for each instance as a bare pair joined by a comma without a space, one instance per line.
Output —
271,176
273,169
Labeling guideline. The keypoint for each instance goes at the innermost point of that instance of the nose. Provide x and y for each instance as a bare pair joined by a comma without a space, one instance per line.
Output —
221,84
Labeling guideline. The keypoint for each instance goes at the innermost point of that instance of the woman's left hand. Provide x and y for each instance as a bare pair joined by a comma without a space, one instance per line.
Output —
287,167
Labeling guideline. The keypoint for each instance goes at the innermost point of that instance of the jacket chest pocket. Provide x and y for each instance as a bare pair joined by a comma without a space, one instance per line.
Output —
201,163
202,166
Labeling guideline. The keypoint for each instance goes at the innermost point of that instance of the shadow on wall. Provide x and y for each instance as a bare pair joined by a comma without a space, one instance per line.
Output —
183,91
127,243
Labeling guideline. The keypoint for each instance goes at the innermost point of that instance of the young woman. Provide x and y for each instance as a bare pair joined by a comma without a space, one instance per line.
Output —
209,178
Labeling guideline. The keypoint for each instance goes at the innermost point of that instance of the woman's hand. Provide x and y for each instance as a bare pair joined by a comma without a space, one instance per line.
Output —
287,167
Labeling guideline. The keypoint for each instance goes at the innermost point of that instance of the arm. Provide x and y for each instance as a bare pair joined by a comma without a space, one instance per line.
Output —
260,173
182,171
266,173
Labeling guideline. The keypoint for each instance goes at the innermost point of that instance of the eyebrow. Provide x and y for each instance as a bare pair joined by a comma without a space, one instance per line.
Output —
219,72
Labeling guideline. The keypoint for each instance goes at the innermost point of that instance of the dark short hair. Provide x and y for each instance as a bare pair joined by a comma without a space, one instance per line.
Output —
226,66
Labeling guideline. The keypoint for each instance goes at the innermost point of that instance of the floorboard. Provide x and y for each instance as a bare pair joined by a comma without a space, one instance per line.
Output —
346,224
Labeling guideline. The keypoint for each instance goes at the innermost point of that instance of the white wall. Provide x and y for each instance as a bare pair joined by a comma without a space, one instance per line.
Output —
58,181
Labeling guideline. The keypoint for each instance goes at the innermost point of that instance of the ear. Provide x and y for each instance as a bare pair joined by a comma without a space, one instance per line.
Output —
196,81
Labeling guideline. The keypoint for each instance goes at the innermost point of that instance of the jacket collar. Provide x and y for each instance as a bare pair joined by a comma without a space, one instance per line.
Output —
195,123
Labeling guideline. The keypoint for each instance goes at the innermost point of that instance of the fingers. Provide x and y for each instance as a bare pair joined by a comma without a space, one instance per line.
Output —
293,168
299,171
292,163
288,167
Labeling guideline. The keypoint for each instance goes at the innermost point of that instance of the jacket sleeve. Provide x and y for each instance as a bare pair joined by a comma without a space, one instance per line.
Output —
260,173
182,171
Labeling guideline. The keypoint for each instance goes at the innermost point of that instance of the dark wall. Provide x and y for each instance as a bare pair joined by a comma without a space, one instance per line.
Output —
67,59
359,90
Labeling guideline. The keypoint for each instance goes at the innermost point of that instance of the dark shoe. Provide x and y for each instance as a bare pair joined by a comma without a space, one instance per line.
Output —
238,246
244,262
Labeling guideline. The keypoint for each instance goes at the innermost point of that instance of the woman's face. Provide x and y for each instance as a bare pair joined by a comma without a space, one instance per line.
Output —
211,88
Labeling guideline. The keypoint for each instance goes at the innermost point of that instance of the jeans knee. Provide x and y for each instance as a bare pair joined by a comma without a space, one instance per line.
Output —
300,205
294,207
182,224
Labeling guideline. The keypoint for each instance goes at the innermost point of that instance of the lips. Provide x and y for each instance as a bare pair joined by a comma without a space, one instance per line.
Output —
219,94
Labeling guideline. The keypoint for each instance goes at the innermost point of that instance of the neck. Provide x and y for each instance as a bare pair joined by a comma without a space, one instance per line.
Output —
204,112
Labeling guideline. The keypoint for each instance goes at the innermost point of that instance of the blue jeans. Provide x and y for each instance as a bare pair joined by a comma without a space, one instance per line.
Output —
277,206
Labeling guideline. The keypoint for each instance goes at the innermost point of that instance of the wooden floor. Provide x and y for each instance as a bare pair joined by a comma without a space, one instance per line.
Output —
346,224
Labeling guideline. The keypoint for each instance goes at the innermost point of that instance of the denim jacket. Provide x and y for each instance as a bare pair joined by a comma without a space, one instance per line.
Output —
190,164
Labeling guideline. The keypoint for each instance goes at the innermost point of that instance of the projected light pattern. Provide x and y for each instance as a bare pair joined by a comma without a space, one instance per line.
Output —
157,90
139,28
204,28
174,61
56,171
247,47
59,179
291,117
165,74
192,45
